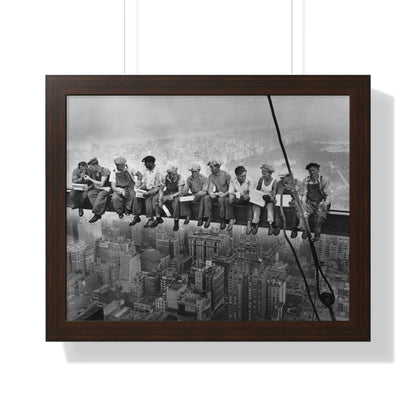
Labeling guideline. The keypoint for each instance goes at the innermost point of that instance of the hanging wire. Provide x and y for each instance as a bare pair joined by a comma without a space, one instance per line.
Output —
297,260
327,298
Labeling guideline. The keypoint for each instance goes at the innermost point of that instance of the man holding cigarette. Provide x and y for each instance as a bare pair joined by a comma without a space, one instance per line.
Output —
79,196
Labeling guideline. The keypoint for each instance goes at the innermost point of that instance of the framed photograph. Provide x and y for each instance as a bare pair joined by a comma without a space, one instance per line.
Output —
208,208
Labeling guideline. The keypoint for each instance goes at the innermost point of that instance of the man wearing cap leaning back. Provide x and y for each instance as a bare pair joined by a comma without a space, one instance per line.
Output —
174,184
218,186
267,185
240,194
316,197
286,187
197,185
122,181
98,196
152,184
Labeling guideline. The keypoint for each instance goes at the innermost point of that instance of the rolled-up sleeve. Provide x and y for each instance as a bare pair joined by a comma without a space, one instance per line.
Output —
327,190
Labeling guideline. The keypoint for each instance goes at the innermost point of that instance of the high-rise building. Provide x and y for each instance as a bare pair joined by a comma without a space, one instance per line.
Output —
173,296
137,235
257,294
203,307
276,295
109,250
332,247
248,248
210,279
206,246
130,265
80,256
167,245
237,292
151,284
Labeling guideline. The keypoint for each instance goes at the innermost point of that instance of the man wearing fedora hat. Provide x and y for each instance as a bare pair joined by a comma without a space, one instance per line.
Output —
197,185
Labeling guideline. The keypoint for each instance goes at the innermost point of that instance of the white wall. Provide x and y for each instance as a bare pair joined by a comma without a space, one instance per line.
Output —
87,36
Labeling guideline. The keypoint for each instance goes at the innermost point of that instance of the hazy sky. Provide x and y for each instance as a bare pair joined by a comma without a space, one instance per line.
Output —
125,117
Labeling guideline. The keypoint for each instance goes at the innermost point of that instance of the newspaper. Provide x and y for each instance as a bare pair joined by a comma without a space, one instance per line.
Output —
256,198
285,202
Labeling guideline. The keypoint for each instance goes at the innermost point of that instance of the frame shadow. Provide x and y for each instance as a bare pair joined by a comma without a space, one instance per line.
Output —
381,347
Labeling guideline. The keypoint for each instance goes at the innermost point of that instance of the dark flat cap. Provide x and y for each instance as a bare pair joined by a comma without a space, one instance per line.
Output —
312,165
93,161
149,159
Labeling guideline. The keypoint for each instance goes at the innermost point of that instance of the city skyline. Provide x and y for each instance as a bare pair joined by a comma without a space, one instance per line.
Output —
155,274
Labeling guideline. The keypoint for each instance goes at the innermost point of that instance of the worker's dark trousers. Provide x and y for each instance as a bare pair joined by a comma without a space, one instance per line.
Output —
311,208
173,205
98,199
202,202
224,207
150,202
247,204
78,198
123,204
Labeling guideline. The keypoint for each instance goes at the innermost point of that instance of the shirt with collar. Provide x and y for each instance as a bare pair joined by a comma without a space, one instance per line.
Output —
152,178
200,183
179,181
324,187
242,188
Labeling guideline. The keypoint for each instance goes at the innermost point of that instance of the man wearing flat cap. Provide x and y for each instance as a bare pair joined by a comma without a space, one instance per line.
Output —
197,185
122,181
174,184
151,185
267,185
239,194
316,197
218,187
98,176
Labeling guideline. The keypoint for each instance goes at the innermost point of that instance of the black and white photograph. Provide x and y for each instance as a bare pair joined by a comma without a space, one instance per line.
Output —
208,208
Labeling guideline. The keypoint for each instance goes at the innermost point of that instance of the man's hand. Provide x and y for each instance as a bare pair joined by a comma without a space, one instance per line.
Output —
246,197
200,193
221,194
87,178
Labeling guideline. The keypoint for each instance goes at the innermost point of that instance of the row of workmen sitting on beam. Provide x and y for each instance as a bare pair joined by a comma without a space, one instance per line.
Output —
129,189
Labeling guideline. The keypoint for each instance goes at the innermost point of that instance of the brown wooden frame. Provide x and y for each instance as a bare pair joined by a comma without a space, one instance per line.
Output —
357,87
